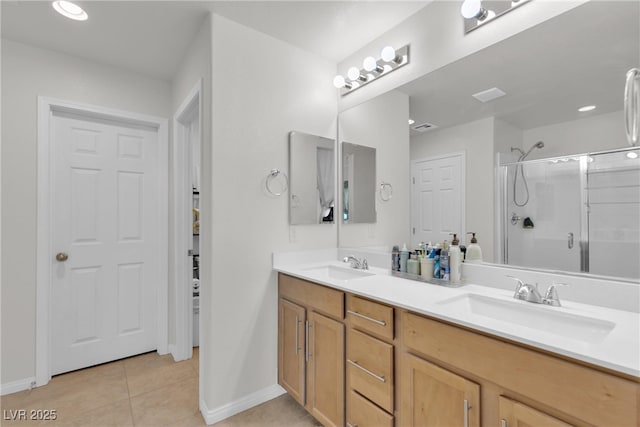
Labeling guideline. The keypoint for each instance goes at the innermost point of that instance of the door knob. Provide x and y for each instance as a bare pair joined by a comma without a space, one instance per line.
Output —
61,256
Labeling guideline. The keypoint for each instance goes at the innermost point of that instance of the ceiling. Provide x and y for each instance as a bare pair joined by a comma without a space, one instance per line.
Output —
575,59
151,37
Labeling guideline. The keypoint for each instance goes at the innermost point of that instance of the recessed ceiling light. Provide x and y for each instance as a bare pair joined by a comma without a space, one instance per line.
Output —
70,10
411,121
587,108
632,155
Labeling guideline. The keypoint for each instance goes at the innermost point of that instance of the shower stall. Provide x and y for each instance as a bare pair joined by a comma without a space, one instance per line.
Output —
578,213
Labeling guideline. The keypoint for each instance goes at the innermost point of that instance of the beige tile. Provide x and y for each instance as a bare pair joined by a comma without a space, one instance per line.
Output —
166,405
75,393
144,380
147,362
114,415
194,420
280,411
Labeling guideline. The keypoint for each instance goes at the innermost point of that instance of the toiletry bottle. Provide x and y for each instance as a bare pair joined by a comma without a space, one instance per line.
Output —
404,257
444,261
413,265
474,252
395,259
455,260
426,266
436,263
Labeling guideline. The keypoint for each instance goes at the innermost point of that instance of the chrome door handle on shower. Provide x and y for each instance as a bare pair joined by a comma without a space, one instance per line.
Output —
570,240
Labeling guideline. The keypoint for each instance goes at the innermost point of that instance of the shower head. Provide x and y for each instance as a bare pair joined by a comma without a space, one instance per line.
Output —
538,144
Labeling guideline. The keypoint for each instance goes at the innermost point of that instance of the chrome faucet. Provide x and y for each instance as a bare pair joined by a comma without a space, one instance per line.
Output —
357,263
530,293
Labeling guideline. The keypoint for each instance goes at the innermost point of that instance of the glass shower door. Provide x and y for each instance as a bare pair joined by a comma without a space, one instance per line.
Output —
613,190
543,223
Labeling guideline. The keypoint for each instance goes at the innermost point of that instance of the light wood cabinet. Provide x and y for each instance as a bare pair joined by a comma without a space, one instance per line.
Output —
431,396
326,370
291,349
311,348
516,414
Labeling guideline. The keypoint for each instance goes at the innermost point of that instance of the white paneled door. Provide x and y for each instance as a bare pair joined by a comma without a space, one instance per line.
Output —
437,199
104,200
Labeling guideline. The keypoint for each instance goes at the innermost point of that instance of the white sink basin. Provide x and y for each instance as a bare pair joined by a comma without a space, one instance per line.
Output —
338,273
541,317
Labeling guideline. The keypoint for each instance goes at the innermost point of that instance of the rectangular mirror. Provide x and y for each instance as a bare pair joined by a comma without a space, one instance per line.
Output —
358,184
312,179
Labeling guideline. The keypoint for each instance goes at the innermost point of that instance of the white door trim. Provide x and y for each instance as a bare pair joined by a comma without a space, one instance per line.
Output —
463,186
44,251
182,222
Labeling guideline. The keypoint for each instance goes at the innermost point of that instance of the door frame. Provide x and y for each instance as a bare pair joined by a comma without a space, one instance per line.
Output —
44,249
463,192
182,221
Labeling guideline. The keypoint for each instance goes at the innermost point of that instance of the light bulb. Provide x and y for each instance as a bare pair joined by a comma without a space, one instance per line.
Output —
411,121
70,10
353,73
471,8
388,54
338,81
369,63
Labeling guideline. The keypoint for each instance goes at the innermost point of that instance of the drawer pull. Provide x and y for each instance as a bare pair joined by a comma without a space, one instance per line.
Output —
355,363
467,407
370,319
297,325
503,423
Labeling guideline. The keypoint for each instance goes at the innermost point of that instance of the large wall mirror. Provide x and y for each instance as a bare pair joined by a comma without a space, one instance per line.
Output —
358,183
312,174
530,149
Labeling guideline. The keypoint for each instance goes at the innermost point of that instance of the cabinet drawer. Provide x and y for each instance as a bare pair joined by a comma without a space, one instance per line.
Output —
370,316
320,298
362,413
370,368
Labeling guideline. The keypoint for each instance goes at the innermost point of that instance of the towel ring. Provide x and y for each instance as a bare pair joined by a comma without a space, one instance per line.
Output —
386,191
271,177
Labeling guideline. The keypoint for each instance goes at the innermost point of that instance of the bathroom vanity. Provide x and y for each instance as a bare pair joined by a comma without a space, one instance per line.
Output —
363,349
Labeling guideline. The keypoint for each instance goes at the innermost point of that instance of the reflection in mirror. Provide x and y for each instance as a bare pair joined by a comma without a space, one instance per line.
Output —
312,179
579,213
358,183
544,85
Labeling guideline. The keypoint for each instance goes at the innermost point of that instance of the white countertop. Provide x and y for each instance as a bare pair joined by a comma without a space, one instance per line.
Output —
617,349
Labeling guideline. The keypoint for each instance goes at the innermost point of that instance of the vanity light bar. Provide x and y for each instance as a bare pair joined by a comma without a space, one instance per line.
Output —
373,69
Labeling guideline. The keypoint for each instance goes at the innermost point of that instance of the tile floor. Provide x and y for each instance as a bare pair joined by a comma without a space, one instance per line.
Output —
145,390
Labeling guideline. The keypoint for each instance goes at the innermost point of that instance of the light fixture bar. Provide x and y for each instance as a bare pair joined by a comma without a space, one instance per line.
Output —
373,70
494,9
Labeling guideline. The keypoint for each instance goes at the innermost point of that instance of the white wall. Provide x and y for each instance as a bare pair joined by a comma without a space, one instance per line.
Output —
26,73
437,38
476,140
382,124
262,88
195,67
592,133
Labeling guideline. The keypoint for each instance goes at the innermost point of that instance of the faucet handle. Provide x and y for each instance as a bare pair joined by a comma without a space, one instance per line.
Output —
365,264
551,296
520,284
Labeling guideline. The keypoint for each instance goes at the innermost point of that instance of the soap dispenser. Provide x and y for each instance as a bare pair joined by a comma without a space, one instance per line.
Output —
455,260
474,252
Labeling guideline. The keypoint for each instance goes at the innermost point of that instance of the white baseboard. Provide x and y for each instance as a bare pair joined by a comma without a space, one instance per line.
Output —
16,386
212,416
172,349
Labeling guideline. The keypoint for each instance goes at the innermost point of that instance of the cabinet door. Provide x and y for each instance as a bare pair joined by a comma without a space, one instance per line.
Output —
516,414
432,396
291,349
326,370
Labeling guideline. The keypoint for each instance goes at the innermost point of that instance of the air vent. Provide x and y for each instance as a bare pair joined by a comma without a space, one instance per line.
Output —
424,127
489,94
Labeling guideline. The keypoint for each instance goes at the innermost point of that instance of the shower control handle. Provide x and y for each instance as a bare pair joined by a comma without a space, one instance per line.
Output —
570,240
